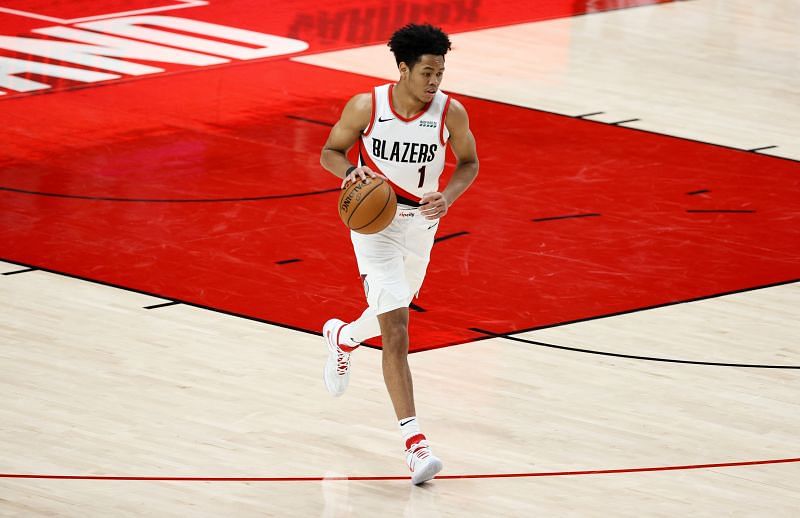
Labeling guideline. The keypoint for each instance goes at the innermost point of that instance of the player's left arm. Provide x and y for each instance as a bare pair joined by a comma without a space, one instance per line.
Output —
434,205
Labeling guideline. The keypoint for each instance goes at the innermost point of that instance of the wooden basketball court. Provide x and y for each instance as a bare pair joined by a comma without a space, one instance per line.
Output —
609,326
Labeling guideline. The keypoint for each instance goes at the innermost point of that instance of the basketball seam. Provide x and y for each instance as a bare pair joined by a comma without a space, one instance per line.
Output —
357,205
388,197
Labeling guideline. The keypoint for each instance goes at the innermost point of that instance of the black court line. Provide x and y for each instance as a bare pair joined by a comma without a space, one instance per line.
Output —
439,346
165,304
185,303
569,216
623,122
647,308
631,356
21,271
701,191
161,296
288,261
588,115
180,200
628,128
450,236
312,121
761,148
720,211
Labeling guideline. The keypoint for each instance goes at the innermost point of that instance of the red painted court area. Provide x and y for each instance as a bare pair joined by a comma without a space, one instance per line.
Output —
203,185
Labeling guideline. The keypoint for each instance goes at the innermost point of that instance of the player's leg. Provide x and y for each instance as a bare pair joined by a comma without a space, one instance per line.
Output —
418,241
416,255
397,376
380,262
385,260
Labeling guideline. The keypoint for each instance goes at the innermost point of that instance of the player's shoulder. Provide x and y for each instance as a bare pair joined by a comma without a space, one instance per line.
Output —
455,107
360,103
456,113
358,111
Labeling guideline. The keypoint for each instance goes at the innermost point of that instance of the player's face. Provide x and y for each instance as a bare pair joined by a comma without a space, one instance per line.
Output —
426,76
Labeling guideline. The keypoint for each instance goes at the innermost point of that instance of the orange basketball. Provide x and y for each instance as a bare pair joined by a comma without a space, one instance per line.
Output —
368,206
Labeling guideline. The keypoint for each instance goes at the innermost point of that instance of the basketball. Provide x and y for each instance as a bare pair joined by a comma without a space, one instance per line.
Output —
368,206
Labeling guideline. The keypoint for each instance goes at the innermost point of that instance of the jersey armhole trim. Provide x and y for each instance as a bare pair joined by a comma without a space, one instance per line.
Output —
371,117
444,119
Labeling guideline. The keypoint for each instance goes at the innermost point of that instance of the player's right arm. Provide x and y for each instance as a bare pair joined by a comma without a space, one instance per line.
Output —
344,134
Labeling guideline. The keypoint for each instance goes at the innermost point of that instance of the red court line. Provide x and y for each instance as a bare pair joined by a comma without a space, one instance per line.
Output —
443,477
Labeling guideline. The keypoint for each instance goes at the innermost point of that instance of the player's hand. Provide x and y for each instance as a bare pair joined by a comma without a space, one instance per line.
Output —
360,174
433,205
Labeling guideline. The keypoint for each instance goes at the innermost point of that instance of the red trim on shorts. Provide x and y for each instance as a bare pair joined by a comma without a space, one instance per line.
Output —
415,117
442,122
371,117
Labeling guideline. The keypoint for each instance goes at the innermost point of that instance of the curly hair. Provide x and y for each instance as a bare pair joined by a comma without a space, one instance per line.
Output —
409,43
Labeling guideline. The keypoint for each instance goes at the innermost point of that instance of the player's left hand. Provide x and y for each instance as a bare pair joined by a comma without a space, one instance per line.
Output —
433,205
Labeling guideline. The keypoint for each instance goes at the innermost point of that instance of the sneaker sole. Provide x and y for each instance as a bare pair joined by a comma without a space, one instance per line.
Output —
427,473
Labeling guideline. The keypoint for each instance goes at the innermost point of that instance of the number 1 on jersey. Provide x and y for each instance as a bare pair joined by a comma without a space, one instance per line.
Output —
421,176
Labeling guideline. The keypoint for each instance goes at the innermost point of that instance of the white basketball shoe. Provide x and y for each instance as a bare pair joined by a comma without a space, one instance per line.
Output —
337,369
423,464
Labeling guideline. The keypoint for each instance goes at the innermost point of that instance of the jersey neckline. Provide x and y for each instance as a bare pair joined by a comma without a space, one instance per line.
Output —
413,117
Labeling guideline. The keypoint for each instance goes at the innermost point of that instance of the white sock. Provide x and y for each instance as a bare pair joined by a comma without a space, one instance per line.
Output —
346,336
409,428
363,328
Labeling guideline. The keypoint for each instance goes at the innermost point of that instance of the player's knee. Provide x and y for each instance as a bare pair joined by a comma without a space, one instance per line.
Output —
394,335
396,332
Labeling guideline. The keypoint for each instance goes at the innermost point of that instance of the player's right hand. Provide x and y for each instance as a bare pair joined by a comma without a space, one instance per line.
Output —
359,174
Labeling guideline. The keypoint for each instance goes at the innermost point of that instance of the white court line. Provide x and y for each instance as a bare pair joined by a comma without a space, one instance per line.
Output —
27,14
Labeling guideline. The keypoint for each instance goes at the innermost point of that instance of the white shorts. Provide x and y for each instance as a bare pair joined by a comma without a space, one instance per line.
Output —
393,262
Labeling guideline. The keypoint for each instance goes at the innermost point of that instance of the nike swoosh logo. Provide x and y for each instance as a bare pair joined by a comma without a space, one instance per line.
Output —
405,423
432,226
385,120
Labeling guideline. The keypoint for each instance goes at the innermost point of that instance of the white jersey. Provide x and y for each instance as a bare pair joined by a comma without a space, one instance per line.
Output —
409,152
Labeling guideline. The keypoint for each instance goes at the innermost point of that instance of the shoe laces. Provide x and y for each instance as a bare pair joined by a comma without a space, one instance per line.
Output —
342,362
342,357
418,452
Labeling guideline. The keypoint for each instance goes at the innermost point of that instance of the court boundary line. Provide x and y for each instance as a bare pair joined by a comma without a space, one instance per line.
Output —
171,300
655,306
392,478
579,117
370,346
629,128
168,200
632,356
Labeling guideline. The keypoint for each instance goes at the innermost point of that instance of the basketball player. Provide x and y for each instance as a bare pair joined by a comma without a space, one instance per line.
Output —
402,131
